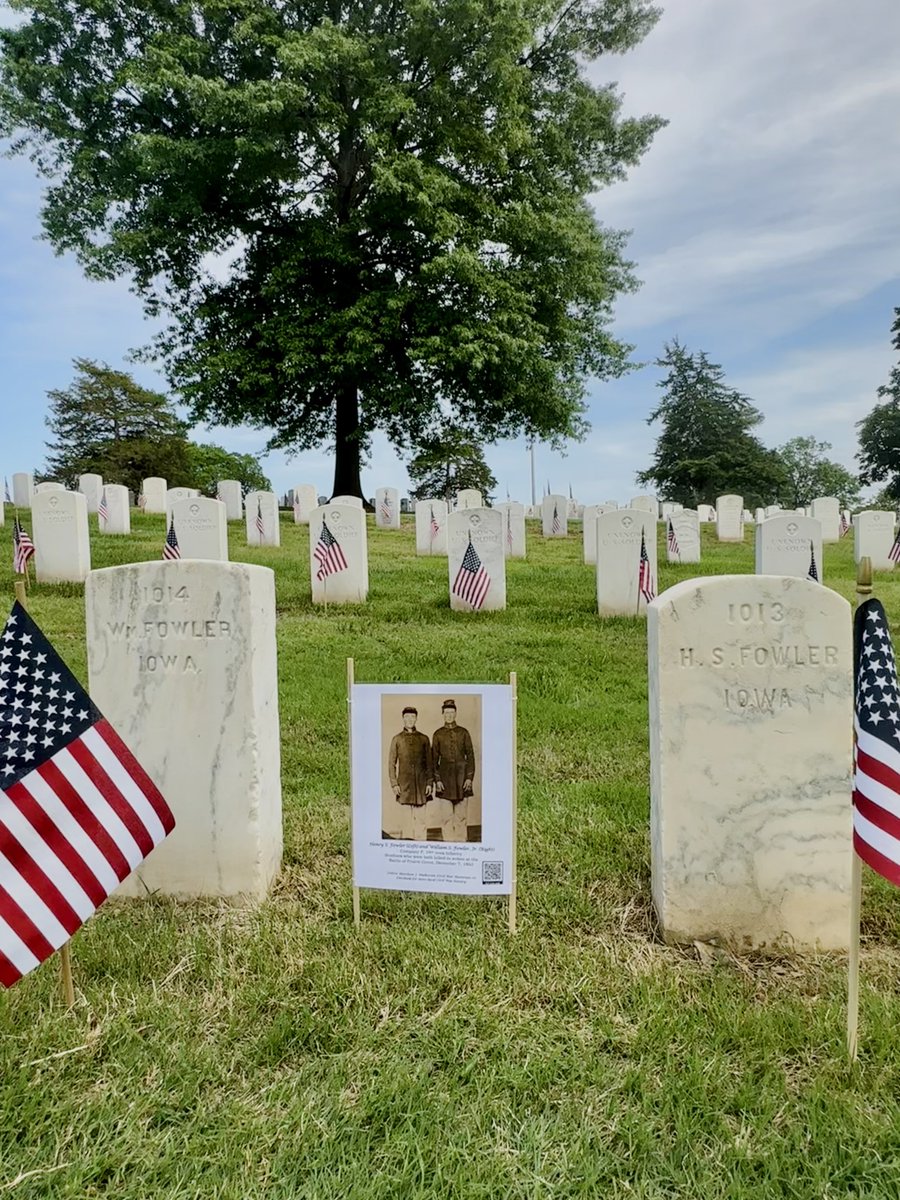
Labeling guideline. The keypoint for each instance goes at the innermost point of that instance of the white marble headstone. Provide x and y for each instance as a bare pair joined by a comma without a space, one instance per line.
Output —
182,662
787,545
91,486
750,753
469,498
387,508
154,490
608,505
619,537
305,500
706,514
48,485
118,508
772,510
476,560
873,535
230,492
686,528
431,527
730,518
667,507
22,489
645,503
264,504
59,530
827,509
201,526
353,501
513,528
339,561
554,517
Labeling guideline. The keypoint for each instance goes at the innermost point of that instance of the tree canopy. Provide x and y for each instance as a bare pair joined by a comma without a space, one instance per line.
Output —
705,448
879,432
445,464
207,464
355,215
810,474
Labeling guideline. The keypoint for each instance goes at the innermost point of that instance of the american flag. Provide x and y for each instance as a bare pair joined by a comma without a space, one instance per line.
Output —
435,528
672,541
171,549
384,507
103,508
23,548
813,572
557,527
845,524
894,552
328,554
645,577
472,580
77,811
876,775
260,527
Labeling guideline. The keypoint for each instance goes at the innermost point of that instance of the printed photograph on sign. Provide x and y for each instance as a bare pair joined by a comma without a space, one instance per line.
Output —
431,783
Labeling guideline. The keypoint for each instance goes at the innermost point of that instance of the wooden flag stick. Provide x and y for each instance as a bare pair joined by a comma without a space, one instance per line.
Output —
863,592
66,982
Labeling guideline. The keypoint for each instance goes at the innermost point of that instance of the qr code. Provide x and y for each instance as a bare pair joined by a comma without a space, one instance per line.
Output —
492,872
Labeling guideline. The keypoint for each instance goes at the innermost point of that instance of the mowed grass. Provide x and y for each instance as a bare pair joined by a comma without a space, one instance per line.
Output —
278,1052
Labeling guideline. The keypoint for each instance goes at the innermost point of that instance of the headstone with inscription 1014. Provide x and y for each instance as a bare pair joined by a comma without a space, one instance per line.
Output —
230,492
91,487
873,536
513,528
789,545
730,518
387,508
750,682
201,526
22,489
118,510
626,562
263,528
338,554
182,660
431,527
554,517
683,537
153,493
59,530
477,565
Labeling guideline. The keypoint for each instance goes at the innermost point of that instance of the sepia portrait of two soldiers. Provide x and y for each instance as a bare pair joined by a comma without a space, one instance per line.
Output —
432,781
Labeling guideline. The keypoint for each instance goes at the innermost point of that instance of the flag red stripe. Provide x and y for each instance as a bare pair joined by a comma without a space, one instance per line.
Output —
100,836
37,880
35,815
23,927
877,770
8,973
877,861
139,776
872,811
111,795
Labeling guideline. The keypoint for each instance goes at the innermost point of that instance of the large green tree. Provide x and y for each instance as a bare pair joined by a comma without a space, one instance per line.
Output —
810,474
705,448
397,191
106,422
446,463
209,463
879,432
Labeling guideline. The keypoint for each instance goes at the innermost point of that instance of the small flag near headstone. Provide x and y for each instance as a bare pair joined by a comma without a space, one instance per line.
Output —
23,548
260,527
171,549
435,528
77,811
645,576
103,508
385,508
671,540
845,524
557,527
328,554
813,572
472,581
894,552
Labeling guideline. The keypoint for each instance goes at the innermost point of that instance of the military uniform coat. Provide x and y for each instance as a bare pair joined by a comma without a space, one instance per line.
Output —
409,766
453,756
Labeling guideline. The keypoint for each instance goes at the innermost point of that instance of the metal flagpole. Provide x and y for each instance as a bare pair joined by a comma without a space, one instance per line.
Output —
533,493
863,592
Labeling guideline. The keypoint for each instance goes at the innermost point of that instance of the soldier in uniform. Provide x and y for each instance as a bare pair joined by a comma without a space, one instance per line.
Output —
411,777
453,758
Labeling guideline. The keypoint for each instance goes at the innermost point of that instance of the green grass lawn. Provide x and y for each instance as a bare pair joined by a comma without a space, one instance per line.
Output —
278,1052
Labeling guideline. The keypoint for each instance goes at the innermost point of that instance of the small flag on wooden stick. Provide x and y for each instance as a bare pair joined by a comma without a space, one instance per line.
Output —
813,572
645,575
672,541
103,508
23,548
171,549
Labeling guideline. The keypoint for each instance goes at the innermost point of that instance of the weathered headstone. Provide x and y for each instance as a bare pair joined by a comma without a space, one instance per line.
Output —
431,527
59,530
477,566
353,501
644,503
554,517
262,509
827,509
91,486
683,541
513,528
873,535
609,505
22,489
624,587
304,501
750,751
789,545
667,508
182,661
730,518
201,526
230,492
338,554
154,491
772,510
387,508
706,514
469,498
118,510
48,485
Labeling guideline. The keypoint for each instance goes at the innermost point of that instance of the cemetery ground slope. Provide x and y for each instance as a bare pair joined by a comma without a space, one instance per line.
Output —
278,1053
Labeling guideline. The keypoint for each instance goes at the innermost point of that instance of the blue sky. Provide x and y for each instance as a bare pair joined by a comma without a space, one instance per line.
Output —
765,227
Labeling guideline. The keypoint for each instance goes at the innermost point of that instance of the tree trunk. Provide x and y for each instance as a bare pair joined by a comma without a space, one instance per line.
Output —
346,445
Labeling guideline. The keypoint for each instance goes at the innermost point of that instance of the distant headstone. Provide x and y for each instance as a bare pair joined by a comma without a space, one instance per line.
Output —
827,509
353,501
789,545
730,518
554,517
609,505
750,681
22,489
338,554
477,566
683,540
469,498
118,510
706,514
667,508
154,491
589,530
182,661
513,528
623,588
387,508
747,517
262,508
431,527
772,510
873,535
201,526
645,504
760,515
230,492
304,501
49,485
91,487
177,493
59,530
405,506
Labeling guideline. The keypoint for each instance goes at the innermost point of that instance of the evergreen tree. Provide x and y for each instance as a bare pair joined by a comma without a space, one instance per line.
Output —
879,432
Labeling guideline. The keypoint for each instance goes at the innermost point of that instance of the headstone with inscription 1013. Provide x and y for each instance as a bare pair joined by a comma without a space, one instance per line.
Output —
626,562
730,518
750,683
387,508
513,528
683,537
338,554
182,660
118,510
59,530
431,527
554,516
873,536
789,545
201,526
477,565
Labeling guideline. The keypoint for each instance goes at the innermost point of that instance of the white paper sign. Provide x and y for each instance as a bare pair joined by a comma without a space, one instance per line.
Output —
433,789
